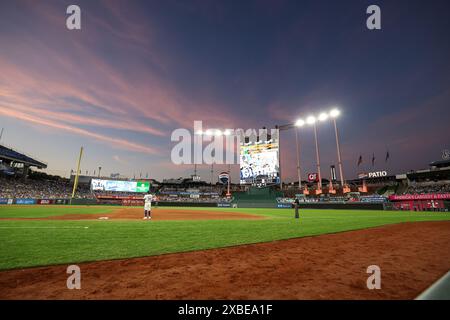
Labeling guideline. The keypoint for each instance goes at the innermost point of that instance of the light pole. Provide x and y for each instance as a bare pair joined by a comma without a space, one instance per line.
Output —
334,114
279,159
299,123
281,128
217,133
298,160
296,125
228,182
212,174
311,120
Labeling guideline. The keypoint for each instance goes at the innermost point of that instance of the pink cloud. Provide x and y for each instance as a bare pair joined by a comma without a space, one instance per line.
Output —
60,82
115,142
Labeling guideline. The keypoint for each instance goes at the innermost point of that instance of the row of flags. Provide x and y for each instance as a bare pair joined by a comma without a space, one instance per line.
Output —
360,159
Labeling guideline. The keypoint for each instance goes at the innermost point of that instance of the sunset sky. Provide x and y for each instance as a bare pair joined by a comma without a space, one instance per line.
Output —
137,70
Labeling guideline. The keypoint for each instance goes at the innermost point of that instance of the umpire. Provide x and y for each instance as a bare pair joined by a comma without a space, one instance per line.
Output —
296,205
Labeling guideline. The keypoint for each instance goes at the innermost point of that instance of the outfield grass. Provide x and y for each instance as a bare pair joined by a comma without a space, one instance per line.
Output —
39,243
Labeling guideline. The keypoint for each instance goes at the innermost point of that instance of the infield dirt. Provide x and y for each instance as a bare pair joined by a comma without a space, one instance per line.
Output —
157,214
411,257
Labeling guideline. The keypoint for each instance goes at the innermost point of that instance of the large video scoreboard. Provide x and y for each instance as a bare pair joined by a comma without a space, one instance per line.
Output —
259,163
119,185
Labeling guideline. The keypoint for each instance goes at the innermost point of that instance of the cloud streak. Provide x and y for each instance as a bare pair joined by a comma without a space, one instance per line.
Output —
71,84
115,142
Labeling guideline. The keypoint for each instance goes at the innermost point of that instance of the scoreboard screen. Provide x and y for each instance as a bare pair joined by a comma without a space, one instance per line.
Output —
259,163
120,185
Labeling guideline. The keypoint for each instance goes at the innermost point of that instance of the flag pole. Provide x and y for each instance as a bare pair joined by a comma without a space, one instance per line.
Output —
75,182
341,173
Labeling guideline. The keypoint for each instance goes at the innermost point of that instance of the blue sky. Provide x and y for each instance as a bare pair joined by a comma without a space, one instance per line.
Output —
140,69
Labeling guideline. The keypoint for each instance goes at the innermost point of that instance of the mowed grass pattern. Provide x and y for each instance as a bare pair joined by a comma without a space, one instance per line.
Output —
39,243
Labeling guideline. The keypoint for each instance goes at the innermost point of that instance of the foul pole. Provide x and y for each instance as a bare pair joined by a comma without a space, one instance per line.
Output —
75,182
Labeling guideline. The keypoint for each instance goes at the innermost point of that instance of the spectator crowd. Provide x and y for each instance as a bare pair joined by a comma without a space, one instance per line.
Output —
427,188
19,188
11,187
204,199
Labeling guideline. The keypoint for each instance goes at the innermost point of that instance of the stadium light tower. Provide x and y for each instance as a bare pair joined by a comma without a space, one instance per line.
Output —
218,133
281,128
296,125
299,123
227,132
334,114
212,174
311,120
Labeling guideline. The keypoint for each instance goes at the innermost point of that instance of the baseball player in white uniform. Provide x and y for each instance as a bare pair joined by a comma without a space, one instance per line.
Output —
148,206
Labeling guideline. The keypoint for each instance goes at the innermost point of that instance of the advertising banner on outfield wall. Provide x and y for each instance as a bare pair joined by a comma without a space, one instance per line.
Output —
44,201
432,196
373,199
4,201
224,205
284,205
132,202
61,201
25,201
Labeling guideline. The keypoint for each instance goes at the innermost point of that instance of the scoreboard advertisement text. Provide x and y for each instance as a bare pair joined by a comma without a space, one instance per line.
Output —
119,185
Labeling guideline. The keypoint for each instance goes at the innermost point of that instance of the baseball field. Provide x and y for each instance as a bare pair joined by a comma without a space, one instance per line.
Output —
219,253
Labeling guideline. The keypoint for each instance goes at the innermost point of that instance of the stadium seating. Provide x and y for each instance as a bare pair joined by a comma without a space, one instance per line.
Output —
16,156
427,188
5,169
11,187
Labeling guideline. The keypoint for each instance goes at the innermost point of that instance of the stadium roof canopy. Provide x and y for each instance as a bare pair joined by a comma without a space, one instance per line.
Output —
440,164
435,175
183,182
10,155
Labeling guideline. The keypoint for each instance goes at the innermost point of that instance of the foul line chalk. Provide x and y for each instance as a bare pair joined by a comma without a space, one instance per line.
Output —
1,227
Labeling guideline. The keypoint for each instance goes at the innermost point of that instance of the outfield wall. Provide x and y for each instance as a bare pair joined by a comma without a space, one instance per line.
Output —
346,206
29,201
256,204
185,204
240,204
